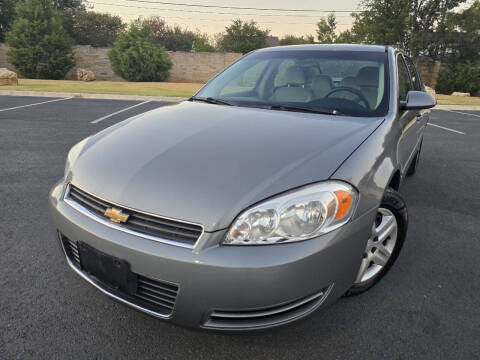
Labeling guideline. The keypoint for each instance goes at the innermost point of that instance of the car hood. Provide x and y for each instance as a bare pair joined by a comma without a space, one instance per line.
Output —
205,163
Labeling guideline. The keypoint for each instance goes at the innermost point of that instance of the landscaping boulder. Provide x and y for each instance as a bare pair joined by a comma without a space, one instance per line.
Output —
85,75
431,91
8,77
460,94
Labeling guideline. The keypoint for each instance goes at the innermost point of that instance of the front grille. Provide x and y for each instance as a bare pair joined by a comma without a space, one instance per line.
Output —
150,226
154,295
266,317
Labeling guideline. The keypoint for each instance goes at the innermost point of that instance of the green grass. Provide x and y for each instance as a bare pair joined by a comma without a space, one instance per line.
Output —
157,89
107,87
457,100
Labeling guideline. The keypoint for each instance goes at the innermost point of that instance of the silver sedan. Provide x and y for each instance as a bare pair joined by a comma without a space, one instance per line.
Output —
268,195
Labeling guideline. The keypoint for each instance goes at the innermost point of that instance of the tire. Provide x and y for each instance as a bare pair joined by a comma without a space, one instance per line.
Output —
371,273
412,169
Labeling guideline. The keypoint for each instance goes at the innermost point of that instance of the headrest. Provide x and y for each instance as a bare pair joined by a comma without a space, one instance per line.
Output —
368,76
294,75
322,84
350,81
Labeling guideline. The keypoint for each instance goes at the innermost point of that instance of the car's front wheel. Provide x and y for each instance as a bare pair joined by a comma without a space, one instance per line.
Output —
383,247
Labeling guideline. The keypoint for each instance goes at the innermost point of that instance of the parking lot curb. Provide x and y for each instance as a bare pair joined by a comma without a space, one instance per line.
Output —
458,107
161,98
91,96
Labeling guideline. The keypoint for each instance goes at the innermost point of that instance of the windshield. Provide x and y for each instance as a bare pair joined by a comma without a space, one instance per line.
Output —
351,83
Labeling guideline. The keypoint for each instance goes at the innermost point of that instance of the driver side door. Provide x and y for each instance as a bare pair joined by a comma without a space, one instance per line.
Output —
409,120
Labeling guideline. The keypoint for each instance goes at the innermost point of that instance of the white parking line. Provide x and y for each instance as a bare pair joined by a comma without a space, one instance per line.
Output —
463,113
34,104
445,128
118,112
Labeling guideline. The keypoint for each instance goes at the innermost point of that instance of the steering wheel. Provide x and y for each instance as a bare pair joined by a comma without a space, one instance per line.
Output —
354,91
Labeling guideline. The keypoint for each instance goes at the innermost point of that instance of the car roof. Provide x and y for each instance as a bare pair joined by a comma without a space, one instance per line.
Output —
328,47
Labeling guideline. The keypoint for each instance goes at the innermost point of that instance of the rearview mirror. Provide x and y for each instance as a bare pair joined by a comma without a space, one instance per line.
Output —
417,100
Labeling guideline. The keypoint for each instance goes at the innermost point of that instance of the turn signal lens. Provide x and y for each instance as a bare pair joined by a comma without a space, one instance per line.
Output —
344,203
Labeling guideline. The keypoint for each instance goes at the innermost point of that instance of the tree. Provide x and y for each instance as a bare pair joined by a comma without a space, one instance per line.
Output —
39,45
97,29
326,29
418,26
346,37
172,38
68,9
70,5
462,70
297,40
7,14
464,31
202,43
136,57
243,37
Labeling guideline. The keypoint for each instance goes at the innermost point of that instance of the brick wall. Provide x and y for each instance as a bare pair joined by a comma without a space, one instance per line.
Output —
94,59
187,66
198,67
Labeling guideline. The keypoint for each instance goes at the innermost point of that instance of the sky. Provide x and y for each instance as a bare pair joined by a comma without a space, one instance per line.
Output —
212,20
209,20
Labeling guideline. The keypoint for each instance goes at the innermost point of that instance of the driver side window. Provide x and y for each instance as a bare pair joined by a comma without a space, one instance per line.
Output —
403,79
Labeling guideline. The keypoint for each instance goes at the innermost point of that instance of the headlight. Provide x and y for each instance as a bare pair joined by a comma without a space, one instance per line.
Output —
297,215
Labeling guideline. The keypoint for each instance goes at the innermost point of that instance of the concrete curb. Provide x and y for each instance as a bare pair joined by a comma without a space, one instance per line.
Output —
458,107
90,96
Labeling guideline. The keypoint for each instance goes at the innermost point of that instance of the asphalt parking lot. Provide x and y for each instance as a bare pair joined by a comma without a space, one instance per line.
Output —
427,307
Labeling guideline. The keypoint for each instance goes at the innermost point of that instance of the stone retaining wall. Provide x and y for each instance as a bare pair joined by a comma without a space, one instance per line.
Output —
187,66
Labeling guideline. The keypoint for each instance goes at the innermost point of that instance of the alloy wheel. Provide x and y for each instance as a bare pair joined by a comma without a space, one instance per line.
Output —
379,247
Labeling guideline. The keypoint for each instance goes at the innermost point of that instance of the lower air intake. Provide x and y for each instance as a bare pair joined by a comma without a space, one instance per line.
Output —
220,319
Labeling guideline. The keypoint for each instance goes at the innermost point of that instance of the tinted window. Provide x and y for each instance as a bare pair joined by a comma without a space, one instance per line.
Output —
403,79
413,74
351,82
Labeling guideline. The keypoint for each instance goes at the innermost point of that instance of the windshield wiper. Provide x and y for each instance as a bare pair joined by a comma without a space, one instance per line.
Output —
211,100
305,109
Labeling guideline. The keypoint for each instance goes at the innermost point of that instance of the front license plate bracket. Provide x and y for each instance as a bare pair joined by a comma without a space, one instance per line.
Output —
112,271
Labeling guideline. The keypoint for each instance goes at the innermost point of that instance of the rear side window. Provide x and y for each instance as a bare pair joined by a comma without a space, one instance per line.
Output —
403,79
416,83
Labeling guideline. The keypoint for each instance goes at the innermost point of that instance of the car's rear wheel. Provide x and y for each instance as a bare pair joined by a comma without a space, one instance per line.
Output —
383,247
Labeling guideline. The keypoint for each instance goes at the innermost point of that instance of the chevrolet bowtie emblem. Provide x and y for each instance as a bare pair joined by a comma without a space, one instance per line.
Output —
116,215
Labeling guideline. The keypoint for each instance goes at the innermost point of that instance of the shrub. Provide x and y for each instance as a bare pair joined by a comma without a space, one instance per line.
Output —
172,38
135,56
97,29
463,77
40,48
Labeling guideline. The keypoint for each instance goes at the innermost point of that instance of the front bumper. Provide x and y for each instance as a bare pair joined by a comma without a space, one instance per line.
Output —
227,287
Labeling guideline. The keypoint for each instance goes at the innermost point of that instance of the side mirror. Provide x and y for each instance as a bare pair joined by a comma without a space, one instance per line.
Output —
417,100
